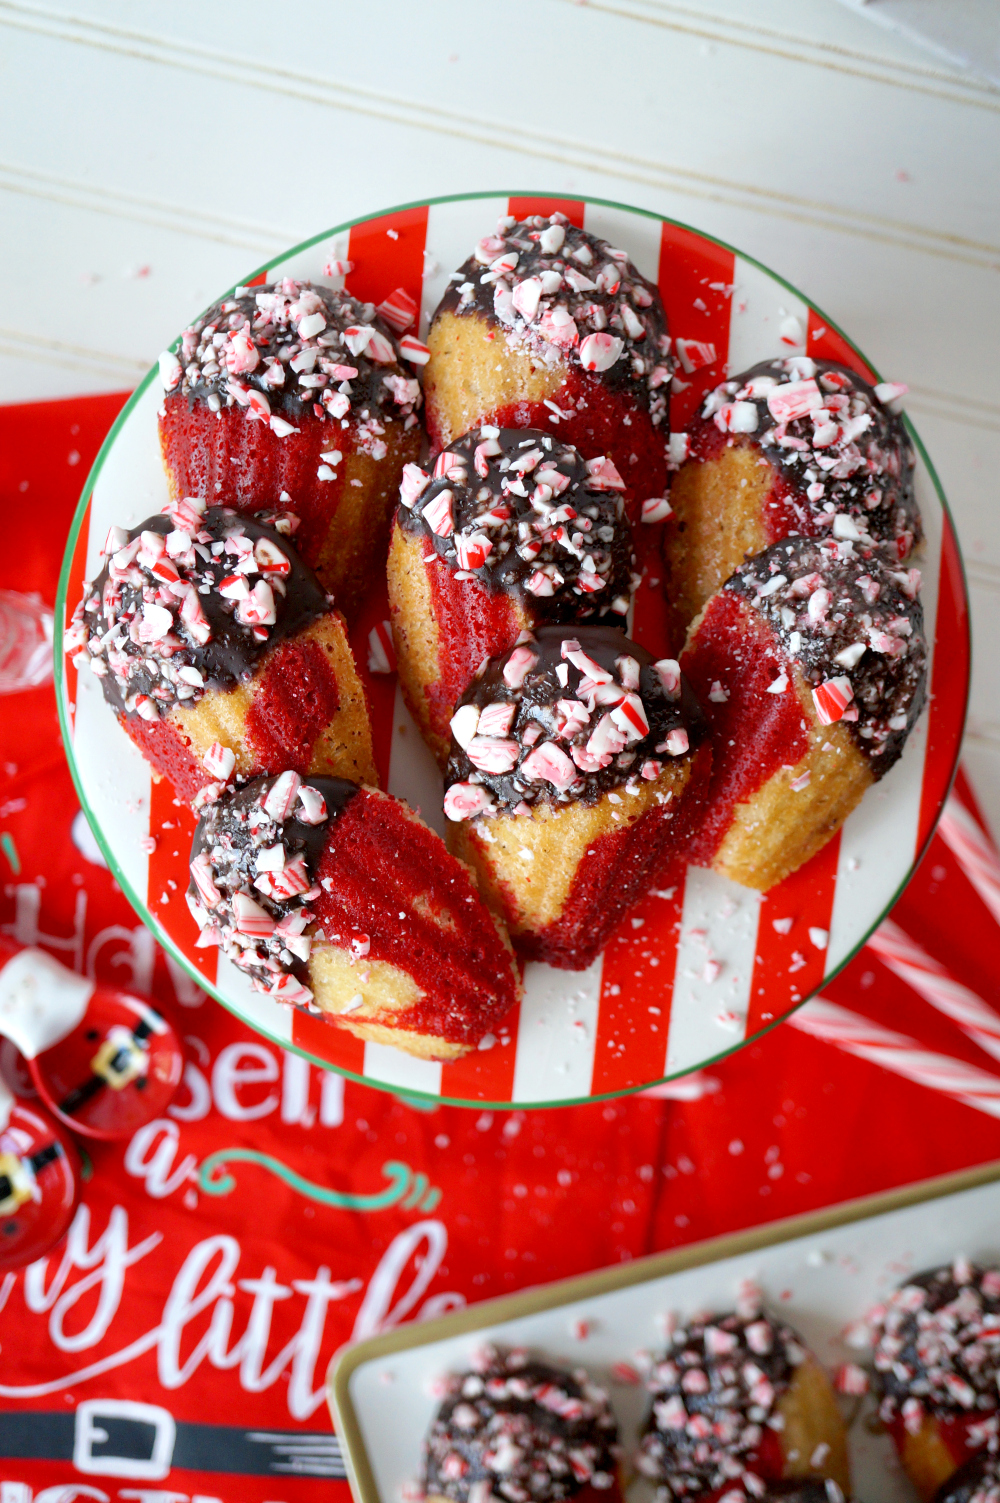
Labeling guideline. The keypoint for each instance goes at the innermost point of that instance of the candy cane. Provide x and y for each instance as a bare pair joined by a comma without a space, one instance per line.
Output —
931,981
903,1056
974,851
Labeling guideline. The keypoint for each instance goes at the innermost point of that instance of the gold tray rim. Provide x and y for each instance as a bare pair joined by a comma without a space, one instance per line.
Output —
603,1281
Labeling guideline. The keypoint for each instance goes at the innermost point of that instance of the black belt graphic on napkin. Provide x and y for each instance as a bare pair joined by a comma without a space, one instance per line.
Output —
35,1435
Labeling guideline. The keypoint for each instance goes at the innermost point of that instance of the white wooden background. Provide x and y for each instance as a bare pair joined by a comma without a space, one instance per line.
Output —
151,154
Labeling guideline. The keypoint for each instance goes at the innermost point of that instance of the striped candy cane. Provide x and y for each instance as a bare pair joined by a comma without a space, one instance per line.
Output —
974,852
930,980
903,1056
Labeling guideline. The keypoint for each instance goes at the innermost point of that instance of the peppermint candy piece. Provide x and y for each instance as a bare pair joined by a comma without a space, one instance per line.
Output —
599,352
313,810
794,399
251,919
466,801
438,514
171,371
492,755
518,666
465,723
413,350
832,699
656,509
472,551
398,310
413,484
280,799
694,354
219,761
548,763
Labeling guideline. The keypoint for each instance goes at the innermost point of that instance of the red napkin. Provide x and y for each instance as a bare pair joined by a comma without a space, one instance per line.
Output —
222,1257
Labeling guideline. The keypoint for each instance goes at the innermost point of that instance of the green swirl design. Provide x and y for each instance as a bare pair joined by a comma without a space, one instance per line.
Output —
413,1190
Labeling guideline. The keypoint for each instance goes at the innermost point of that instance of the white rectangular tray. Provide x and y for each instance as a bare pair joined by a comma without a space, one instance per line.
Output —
820,1272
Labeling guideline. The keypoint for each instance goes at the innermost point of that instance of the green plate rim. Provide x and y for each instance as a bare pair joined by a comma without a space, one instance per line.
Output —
424,1098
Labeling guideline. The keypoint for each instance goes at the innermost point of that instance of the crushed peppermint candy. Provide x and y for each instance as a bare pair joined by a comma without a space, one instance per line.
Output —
849,618
936,1347
253,862
187,601
715,1392
291,348
566,716
567,296
850,1379
836,447
528,516
521,1430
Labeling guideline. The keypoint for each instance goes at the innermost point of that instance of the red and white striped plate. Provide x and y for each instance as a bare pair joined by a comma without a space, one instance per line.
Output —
645,1010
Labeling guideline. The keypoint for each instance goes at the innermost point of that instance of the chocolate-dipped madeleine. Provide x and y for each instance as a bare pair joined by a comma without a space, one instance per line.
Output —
339,899
297,392
220,653
524,1430
810,664
739,1402
512,531
937,1362
793,446
577,767
547,326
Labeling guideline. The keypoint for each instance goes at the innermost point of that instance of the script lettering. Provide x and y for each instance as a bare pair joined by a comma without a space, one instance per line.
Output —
204,1290
106,1261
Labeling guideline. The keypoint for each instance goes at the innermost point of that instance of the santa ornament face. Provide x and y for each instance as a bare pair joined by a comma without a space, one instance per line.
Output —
115,1071
39,1182
104,1062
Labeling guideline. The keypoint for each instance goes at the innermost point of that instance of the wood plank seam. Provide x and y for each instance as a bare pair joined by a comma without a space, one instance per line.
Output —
547,146
101,199
798,49
20,345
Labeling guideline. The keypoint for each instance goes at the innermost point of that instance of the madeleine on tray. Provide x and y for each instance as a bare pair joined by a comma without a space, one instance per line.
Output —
738,1402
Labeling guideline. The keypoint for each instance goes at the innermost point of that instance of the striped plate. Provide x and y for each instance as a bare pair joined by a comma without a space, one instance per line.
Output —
644,1011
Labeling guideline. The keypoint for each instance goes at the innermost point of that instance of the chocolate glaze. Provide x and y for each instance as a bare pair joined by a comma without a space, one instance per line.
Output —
115,602
529,1430
848,454
564,547
836,597
730,1370
228,840
209,368
937,1345
598,287
553,679
976,1481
